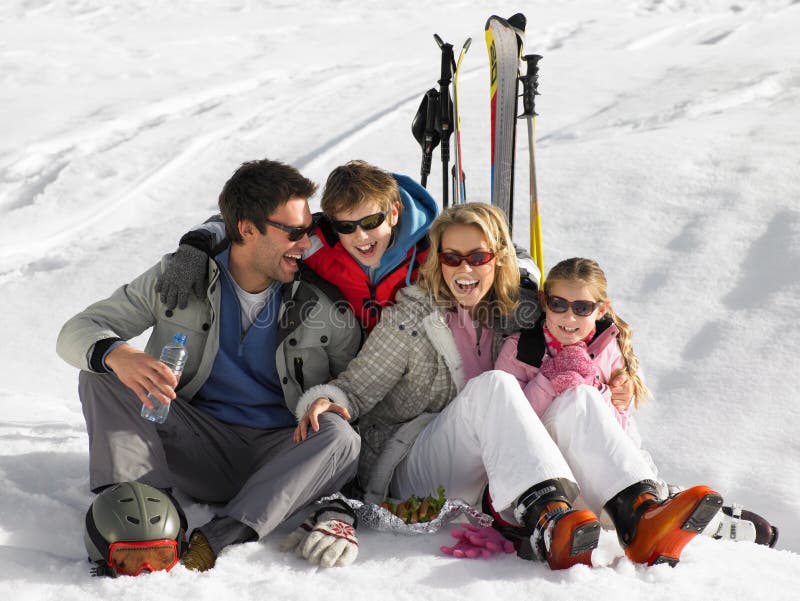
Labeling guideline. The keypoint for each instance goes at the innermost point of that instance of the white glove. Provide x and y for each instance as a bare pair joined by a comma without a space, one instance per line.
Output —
327,538
297,537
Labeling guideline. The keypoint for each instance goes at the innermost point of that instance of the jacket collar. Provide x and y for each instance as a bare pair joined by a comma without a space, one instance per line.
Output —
533,345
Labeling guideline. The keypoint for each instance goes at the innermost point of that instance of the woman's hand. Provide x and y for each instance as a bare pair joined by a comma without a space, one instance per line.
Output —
311,417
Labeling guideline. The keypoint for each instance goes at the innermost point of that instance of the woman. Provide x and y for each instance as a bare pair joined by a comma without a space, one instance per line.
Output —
432,411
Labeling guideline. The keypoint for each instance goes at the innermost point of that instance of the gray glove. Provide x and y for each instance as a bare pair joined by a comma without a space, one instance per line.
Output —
327,538
185,272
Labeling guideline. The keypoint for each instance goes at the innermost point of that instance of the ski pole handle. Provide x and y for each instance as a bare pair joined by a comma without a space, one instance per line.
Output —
530,85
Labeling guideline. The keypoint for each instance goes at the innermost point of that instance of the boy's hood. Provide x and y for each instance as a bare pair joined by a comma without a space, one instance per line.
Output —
419,211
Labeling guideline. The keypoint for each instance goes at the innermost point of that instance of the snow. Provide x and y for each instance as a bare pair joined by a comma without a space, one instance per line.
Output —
667,148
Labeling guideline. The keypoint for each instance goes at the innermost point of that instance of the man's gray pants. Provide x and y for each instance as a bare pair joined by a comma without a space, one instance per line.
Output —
261,476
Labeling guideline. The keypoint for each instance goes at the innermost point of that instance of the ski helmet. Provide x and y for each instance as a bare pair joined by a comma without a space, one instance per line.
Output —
138,520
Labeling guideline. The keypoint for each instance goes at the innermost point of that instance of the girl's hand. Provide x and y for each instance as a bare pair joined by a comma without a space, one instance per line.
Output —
621,391
311,417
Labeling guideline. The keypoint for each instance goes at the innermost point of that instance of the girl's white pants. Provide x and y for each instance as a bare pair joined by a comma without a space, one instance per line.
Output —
490,434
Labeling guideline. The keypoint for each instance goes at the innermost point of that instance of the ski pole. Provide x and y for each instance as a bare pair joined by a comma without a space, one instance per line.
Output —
423,127
530,87
459,185
445,121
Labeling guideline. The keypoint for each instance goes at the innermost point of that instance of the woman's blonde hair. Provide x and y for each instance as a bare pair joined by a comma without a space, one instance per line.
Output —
589,273
503,297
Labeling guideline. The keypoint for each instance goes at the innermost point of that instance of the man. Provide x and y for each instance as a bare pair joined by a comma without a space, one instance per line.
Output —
257,339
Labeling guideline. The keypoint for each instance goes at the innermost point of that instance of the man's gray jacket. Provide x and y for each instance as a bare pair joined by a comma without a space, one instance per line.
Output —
317,333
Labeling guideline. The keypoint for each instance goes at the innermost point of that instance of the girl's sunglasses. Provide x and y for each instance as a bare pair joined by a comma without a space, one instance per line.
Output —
582,308
370,222
480,257
294,233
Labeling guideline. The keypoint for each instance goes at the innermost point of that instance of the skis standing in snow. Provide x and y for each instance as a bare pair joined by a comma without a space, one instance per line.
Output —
504,39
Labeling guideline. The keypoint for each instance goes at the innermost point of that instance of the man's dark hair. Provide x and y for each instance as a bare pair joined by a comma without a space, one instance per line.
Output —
256,190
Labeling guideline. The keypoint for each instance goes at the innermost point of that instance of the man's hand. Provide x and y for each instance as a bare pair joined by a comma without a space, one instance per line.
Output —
621,391
311,417
142,374
328,536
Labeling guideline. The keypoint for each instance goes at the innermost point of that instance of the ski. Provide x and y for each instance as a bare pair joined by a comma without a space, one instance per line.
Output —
504,43
459,186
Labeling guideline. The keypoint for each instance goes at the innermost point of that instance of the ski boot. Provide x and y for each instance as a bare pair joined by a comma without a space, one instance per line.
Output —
738,524
557,533
653,531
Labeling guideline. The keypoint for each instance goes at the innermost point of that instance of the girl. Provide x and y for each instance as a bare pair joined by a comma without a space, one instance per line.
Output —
578,341
581,341
432,412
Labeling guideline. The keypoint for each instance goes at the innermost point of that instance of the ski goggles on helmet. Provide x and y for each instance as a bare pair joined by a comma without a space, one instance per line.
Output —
132,558
294,232
370,222
582,308
474,259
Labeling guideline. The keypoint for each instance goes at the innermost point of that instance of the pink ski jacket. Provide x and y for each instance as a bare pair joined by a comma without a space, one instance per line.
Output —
521,355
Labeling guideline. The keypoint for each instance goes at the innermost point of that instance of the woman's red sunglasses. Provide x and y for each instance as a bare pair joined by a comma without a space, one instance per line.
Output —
474,259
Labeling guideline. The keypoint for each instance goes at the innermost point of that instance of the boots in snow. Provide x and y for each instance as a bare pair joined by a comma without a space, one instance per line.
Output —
558,534
738,524
653,531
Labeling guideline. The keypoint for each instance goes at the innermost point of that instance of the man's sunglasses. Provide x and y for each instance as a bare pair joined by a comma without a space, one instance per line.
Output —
480,257
583,308
370,222
295,233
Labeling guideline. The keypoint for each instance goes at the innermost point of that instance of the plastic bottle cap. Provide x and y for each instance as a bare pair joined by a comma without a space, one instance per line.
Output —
180,338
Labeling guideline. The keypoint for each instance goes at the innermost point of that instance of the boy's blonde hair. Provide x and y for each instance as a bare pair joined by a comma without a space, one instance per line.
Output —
589,273
502,300
350,185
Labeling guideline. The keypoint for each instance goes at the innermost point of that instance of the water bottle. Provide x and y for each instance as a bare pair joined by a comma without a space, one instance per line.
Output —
174,355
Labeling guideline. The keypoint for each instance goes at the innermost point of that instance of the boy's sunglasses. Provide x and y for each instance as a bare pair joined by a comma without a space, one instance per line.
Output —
582,308
480,257
370,222
295,233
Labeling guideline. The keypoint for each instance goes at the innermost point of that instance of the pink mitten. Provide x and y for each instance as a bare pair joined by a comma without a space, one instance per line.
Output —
567,380
477,542
548,368
576,358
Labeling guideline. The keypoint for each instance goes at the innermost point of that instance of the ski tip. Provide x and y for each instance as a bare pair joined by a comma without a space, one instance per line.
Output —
494,18
518,21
